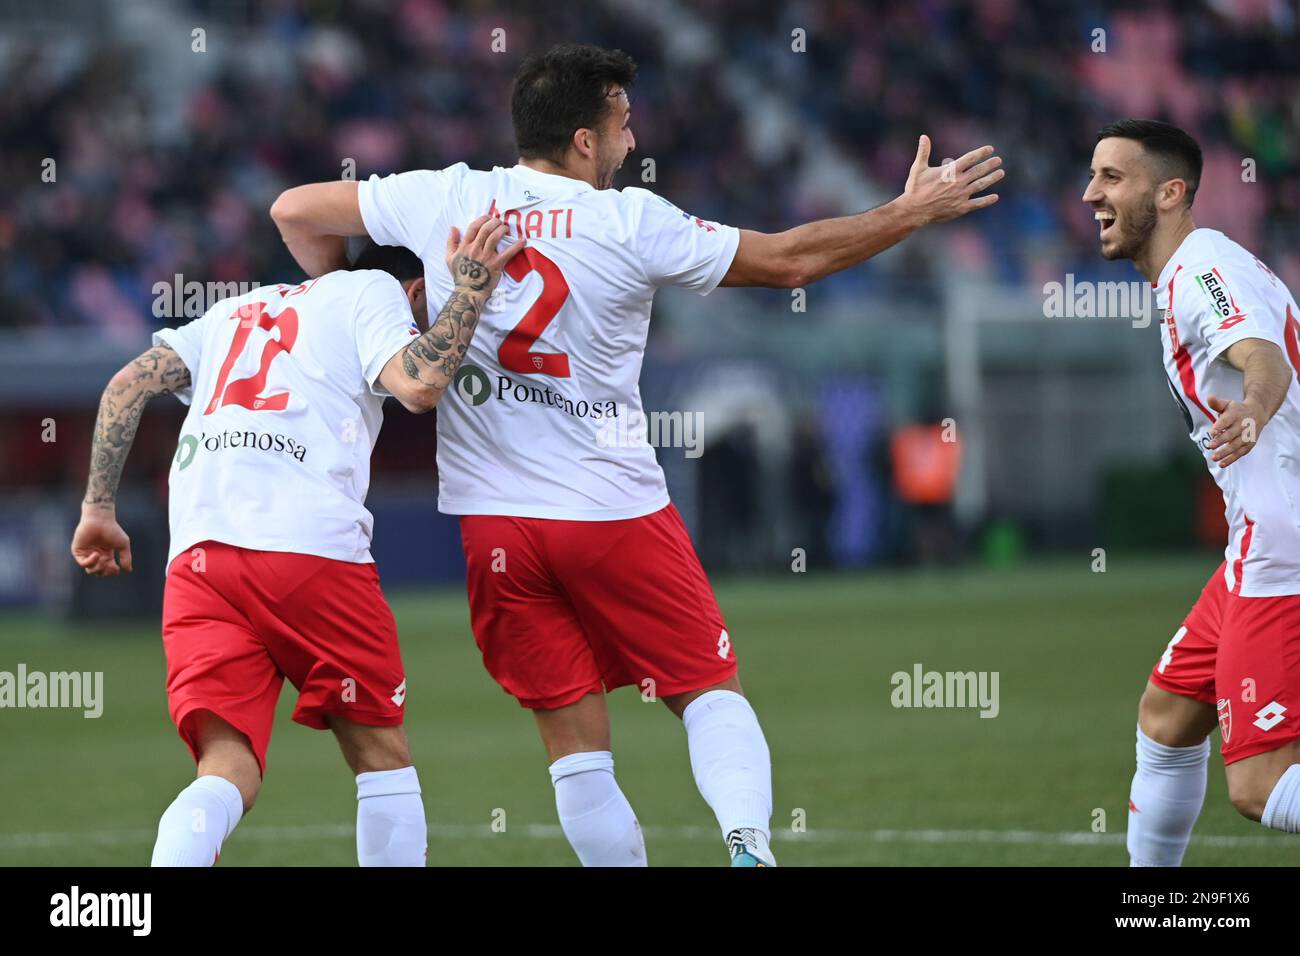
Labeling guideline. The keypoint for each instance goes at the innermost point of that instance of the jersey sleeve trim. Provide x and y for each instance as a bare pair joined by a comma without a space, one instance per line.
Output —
398,336
382,358
370,215
174,339
723,265
1240,334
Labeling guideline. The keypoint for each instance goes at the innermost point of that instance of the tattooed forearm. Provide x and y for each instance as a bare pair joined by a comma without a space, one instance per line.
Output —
434,357
158,371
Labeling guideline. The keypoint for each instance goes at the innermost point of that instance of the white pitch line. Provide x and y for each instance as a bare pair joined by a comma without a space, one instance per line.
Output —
549,831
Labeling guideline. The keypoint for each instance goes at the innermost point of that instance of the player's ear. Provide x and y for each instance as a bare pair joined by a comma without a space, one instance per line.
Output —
1172,193
415,295
584,142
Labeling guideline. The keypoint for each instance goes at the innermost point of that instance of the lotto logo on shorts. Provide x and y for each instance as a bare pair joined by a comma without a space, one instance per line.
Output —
1270,715
724,644
399,694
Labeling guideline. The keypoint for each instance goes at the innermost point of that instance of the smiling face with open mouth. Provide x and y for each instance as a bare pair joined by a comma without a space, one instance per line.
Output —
1122,196
616,141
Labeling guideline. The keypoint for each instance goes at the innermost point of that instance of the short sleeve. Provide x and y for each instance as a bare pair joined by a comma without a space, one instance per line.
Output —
1227,304
187,342
405,209
677,249
383,326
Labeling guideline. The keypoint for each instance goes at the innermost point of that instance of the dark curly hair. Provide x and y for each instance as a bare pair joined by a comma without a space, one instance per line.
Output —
561,91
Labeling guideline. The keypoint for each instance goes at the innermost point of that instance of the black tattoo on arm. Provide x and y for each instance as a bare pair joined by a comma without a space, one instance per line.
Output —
434,357
158,371
470,273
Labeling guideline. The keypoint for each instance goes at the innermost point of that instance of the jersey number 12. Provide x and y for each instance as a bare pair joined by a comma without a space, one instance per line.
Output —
247,391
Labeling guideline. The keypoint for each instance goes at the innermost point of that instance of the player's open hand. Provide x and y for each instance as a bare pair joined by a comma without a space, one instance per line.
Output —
95,541
473,259
940,193
1235,430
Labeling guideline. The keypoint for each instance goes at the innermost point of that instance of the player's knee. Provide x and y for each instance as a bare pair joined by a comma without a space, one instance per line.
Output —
225,752
1166,719
1248,797
372,749
677,703
237,765
1152,714
247,777
249,788
382,758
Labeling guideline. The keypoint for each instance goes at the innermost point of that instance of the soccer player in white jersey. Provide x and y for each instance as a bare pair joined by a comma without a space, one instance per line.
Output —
269,570
1231,340
581,576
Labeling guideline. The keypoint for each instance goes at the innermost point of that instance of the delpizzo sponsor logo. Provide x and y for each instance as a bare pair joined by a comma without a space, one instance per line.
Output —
472,385
1212,285
188,447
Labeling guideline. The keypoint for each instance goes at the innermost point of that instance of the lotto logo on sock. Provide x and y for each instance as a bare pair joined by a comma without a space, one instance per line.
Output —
1269,716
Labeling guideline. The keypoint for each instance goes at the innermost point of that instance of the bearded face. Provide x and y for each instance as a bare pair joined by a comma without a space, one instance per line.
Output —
1122,194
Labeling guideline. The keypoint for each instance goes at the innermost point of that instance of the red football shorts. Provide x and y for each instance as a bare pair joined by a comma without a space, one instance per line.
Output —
1241,655
561,609
237,622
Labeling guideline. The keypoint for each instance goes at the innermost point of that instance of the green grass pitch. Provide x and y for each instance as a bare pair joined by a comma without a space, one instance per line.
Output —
872,784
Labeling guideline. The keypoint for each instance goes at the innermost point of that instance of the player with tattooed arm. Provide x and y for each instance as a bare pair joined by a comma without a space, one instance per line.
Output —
269,569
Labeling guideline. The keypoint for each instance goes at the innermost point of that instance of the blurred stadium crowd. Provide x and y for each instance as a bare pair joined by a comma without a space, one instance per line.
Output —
167,164
143,142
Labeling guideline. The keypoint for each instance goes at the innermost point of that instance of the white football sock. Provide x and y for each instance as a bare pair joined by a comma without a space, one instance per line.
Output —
1282,812
595,816
732,766
1166,797
192,829
390,819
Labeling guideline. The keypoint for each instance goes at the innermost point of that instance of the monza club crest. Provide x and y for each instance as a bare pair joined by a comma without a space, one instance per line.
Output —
1225,718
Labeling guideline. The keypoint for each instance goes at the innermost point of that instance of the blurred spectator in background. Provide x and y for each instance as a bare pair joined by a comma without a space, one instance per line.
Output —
167,165
926,459
135,165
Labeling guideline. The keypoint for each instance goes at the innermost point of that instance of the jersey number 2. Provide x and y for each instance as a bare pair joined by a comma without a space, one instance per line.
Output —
514,354
247,391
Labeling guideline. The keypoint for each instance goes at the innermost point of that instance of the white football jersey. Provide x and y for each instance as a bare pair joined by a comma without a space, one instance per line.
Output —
545,422
1214,293
285,406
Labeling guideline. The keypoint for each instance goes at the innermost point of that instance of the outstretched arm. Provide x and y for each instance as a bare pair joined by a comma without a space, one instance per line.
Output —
158,371
804,254
314,221
1266,376
419,374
